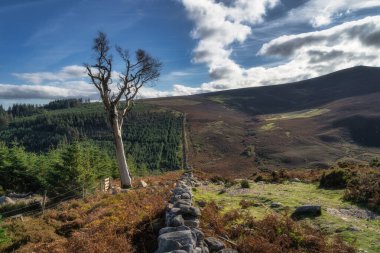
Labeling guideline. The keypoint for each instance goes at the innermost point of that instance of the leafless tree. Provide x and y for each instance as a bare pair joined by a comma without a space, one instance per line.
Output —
118,94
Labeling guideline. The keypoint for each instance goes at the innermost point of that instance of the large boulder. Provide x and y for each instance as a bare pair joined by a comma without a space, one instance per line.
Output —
307,211
176,240
190,211
176,221
172,229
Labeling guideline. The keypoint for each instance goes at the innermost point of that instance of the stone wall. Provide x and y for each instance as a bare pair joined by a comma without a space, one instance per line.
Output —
182,233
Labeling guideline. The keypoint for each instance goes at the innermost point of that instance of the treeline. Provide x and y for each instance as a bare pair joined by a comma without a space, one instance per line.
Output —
152,138
69,167
24,110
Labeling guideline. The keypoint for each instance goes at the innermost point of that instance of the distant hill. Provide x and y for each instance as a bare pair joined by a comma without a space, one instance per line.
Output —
302,95
312,123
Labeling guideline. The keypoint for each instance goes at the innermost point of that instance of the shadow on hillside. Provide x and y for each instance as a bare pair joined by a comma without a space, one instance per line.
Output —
364,131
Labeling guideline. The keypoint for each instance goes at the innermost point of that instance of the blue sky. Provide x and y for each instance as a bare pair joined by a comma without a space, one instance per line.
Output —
205,45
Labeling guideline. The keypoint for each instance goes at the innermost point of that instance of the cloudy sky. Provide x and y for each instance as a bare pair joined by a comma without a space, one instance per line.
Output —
205,45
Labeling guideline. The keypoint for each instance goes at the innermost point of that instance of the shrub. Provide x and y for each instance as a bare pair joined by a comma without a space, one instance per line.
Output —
375,162
245,184
259,178
249,151
336,179
365,190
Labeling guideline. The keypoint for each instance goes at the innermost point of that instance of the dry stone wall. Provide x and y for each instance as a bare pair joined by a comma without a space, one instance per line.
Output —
182,233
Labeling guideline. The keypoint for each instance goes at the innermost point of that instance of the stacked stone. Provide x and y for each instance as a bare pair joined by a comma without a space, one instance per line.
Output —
182,233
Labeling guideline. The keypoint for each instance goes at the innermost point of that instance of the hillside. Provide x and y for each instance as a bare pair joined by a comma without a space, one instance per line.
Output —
311,123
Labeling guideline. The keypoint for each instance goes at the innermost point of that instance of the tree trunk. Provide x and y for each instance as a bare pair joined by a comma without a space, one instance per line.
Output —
125,176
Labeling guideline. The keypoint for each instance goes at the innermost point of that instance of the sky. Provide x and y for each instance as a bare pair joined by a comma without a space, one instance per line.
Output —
204,45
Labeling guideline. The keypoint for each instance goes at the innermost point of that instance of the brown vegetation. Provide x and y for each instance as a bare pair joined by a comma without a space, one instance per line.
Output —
273,234
364,189
127,222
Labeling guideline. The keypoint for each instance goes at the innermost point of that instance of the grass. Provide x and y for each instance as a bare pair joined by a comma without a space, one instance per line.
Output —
297,115
291,195
218,99
268,127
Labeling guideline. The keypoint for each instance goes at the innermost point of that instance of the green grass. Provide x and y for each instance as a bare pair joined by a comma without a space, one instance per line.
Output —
291,195
3,234
267,127
218,99
297,115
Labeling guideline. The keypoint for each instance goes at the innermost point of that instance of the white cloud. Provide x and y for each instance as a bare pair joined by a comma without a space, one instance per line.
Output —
218,26
70,90
66,73
323,12
307,55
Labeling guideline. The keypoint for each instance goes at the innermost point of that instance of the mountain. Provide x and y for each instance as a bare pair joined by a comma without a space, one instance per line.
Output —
312,123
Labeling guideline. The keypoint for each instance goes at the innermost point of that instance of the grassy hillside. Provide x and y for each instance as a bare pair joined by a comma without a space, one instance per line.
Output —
312,123
303,95
355,224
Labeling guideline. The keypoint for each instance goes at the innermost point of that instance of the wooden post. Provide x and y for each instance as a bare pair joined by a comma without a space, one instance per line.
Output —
44,202
102,185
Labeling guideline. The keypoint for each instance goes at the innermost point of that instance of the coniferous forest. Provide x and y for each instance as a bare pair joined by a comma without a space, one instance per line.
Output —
70,139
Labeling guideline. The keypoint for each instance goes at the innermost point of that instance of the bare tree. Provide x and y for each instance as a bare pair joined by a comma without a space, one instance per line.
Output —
118,98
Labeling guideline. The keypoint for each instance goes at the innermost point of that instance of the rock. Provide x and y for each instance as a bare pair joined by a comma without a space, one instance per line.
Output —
179,191
307,211
168,246
177,251
190,211
177,221
186,195
227,251
173,229
143,184
182,202
201,203
214,244
199,234
5,200
296,180
170,214
275,205
353,229
192,223
178,240
260,182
